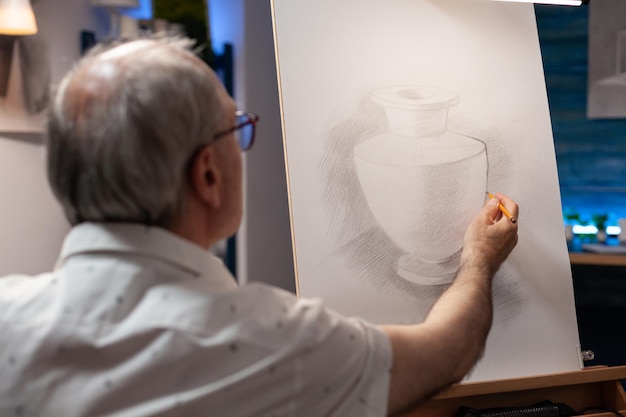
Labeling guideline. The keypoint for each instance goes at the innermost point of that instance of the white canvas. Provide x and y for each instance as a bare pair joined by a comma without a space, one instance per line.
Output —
398,116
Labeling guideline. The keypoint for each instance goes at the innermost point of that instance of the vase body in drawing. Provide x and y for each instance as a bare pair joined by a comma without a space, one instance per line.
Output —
422,182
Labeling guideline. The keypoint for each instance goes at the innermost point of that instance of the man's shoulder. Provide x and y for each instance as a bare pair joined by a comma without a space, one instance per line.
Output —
260,296
22,294
23,282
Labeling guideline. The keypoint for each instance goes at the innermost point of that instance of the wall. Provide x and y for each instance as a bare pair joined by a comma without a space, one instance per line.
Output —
32,226
31,223
591,154
264,240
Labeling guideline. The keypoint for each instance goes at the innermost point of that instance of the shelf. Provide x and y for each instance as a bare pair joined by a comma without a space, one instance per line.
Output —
586,258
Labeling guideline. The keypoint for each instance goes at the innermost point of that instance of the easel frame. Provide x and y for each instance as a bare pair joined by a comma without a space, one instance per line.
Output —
592,387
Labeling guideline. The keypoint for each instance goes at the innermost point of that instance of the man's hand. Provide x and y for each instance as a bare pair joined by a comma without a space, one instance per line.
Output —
491,236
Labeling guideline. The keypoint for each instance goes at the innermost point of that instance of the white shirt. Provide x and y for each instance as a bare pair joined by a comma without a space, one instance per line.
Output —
139,322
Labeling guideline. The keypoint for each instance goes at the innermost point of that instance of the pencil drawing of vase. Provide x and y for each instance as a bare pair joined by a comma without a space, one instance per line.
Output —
422,182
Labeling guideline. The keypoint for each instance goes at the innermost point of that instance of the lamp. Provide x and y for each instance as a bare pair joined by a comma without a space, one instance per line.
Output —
557,2
17,18
113,7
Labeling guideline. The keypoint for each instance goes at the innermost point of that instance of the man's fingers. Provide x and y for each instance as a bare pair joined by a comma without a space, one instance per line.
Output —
491,210
510,205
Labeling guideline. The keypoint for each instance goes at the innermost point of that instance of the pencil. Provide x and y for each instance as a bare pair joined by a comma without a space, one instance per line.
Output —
503,209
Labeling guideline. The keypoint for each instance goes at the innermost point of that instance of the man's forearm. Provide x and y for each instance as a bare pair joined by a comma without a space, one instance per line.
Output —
465,311
442,350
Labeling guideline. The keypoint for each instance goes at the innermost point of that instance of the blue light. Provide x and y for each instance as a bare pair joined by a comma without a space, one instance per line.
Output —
143,12
584,230
592,230
613,230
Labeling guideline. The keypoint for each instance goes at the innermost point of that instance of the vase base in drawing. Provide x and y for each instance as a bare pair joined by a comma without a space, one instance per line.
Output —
421,272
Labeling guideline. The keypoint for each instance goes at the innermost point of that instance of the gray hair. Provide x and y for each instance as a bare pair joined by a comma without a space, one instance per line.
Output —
123,127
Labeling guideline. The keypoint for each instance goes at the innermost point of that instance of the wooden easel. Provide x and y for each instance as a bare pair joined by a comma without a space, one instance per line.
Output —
597,387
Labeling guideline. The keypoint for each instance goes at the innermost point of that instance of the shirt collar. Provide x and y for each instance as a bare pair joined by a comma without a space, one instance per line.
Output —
147,241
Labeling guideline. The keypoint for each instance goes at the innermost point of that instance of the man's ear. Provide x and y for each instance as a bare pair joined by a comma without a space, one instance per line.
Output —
206,177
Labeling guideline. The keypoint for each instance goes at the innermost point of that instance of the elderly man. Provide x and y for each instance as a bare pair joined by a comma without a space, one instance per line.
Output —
139,319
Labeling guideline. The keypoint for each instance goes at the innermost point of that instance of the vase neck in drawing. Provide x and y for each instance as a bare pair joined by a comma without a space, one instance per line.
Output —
423,123
416,111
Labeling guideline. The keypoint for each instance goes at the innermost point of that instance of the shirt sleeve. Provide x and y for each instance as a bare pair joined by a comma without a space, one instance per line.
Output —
341,366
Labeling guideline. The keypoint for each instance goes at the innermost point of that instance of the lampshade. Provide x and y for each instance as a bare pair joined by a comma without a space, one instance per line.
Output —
115,3
17,18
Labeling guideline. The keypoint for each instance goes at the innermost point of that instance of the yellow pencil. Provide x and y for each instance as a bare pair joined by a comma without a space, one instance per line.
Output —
503,209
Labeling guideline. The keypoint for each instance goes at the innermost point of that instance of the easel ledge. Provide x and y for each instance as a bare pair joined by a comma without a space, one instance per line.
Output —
591,387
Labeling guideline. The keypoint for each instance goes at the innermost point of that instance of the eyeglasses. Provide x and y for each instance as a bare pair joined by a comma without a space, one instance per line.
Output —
244,129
